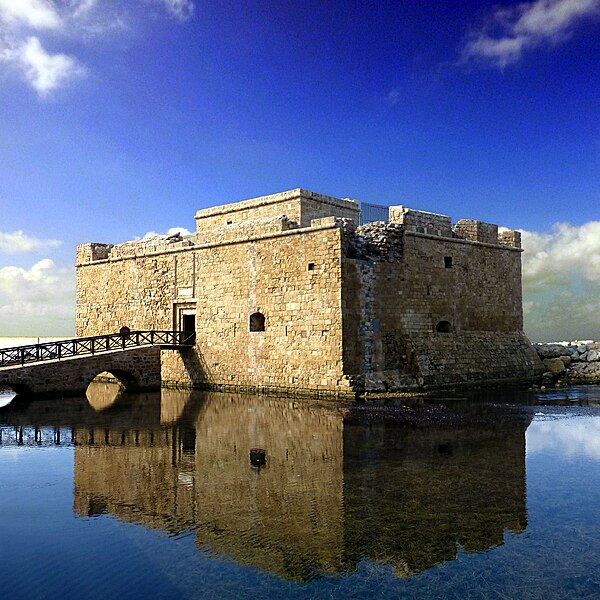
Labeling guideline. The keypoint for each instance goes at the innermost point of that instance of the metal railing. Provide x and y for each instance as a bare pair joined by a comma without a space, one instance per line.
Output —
21,355
373,212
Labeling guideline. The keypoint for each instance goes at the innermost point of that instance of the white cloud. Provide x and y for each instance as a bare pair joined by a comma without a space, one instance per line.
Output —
19,242
510,31
37,301
38,14
561,282
83,7
557,256
26,24
181,9
172,231
46,72
569,438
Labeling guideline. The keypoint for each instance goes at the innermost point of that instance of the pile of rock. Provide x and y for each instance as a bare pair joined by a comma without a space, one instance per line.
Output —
379,240
570,362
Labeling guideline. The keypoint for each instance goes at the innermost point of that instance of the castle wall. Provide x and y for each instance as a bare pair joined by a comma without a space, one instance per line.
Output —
386,306
135,286
294,281
292,277
393,305
299,206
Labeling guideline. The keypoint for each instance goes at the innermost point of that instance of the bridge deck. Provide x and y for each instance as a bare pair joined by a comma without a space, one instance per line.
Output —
91,345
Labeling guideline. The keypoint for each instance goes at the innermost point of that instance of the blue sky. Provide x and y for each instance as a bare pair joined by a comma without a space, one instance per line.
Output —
119,117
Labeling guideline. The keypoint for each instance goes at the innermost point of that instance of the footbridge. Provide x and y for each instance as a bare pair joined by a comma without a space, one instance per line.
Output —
67,367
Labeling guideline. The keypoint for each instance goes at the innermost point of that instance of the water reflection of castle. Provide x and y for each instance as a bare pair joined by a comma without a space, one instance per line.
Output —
333,490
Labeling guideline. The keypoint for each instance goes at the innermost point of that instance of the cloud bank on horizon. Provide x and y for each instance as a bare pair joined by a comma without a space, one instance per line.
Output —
27,27
561,285
509,31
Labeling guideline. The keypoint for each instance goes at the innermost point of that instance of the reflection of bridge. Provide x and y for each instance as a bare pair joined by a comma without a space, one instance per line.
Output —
67,366
340,483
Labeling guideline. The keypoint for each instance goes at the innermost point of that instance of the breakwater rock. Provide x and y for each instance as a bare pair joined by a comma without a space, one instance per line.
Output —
570,362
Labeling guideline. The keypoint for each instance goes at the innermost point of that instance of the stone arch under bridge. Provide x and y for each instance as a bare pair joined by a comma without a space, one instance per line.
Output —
137,368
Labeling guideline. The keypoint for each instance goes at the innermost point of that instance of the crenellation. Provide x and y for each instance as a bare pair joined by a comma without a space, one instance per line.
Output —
420,221
286,292
476,231
91,252
510,238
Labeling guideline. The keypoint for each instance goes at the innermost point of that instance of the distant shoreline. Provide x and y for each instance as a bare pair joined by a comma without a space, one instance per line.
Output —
9,341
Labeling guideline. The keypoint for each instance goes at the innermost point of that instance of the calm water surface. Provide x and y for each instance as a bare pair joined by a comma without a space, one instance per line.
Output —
154,495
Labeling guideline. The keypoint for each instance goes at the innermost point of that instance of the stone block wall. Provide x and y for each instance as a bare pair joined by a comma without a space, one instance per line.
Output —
379,307
476,231
293,280
291,277
136,291
438,311
299,206
421,221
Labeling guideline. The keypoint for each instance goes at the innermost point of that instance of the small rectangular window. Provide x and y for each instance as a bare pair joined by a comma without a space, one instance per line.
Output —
448,262
311,266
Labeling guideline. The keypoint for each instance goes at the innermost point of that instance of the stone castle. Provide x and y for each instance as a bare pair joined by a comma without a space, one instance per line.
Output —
288,293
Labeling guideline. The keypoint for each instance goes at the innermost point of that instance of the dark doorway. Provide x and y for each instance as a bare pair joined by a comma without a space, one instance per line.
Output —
188,323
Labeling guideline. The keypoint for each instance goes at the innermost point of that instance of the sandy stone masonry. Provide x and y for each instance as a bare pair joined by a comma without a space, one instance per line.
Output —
287,292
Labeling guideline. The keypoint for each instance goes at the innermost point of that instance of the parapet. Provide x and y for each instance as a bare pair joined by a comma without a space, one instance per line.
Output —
419,221
476,231
92,252
245,230
509,237
298,205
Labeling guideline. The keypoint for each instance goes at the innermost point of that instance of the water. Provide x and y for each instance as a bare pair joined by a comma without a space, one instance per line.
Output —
154,495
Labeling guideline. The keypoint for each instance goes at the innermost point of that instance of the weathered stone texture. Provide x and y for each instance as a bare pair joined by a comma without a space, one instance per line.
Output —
392,309
476,231
138,367
299,206
379,307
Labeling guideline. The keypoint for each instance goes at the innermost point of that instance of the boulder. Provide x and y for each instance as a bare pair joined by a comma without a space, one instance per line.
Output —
582,348
554,365
593,355
547,379
566,360
584,372
551,350
583,356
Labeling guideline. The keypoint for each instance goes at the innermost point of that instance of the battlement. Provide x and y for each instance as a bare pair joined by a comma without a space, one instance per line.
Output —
287,291
419,221
298,205
92,252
